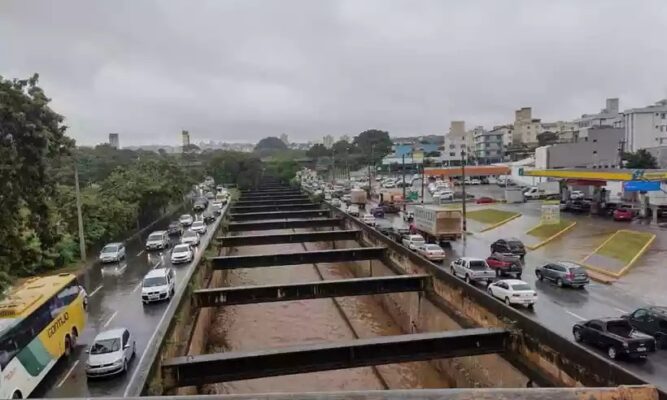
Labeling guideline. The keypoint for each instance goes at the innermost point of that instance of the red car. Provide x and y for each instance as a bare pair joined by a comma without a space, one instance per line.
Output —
624,214
485,200
505,264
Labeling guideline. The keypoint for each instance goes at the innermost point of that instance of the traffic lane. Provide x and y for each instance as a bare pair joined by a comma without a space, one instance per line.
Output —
560,308
117,303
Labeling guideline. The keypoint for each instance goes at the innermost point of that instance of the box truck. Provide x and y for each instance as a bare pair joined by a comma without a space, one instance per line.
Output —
438,224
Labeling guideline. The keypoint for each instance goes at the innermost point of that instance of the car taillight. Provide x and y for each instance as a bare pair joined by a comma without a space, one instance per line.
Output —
569,275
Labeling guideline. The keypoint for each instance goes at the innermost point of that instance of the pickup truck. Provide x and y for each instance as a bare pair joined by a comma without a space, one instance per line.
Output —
616,336
505,264
472,270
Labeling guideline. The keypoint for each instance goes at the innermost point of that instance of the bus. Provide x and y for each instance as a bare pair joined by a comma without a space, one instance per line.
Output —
40,321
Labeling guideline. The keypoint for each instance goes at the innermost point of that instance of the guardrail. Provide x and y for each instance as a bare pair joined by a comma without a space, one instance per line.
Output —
536,347
149,359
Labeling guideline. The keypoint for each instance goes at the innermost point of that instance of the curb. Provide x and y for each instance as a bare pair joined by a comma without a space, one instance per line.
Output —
552,237
503,222
626,268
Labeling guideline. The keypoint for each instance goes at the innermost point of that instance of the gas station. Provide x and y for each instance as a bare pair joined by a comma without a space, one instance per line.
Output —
608,188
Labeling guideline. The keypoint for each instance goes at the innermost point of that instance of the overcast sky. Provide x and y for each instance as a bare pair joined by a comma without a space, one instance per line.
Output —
243,70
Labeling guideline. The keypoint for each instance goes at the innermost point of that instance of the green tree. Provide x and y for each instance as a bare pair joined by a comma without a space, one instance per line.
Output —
641,159
318,150
242,169
31,135
270,143
373,143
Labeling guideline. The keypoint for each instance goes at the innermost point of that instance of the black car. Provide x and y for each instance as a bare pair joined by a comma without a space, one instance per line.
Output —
208,217
175,228
579,205
652,321
511,246
616,336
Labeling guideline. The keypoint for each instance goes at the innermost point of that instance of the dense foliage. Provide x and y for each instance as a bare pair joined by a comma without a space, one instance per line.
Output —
369,147
120,189
234,167
641,159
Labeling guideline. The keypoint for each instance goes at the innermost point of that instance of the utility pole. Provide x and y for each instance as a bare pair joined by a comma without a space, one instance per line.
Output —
463,192
79,214
422,182
347,165
403,173
333,167
621,150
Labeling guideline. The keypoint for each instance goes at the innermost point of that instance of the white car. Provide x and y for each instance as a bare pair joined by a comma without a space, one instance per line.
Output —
412,242
159,284
475,181
190,238
199,227
389,184
353,210
368,219
431,252
347,198
186,219
182,253
446,195
110,353
335,202
513,291
472,270
577,195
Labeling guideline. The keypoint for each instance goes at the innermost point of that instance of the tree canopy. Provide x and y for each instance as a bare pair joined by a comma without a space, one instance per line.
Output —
641,159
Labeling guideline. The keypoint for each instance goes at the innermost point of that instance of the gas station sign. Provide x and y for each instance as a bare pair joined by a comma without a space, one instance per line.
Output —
641,186
550,213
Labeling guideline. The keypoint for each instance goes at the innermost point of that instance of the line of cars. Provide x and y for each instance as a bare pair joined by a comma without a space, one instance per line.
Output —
112,350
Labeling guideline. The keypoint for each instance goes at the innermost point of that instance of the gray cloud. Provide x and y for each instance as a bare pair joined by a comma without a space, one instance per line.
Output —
242,70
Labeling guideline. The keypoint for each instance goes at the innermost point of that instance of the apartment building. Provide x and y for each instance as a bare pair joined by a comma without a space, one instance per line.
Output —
489,146
646,127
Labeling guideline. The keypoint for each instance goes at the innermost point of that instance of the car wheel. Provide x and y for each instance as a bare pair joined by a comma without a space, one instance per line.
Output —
577,335
489,291
611,352
451,269
559,282
530,306
507,301
660,341
468,279
539,275
134,349
498,273
125,365
68,346
518,276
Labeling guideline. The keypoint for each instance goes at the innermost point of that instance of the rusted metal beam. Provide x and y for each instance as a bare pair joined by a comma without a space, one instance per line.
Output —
305,237
270,191
231,366
279,215
297,223
276,207
297,258
268,202
228,296
293,197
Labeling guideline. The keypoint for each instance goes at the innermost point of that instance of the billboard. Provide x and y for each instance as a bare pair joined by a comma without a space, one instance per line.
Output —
641,186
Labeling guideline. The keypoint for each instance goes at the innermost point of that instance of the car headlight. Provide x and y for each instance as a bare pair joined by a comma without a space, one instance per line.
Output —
118,362
626,345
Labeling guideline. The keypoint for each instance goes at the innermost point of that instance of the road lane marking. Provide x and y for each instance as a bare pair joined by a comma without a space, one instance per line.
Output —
69,372
579,317
110,319
140,253
158,264
621,311
137,287
97,289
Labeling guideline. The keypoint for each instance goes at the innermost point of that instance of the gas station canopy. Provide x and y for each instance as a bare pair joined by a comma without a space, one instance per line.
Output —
599,174
471,170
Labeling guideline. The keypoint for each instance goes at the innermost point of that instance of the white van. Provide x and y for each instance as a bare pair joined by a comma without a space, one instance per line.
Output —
159,284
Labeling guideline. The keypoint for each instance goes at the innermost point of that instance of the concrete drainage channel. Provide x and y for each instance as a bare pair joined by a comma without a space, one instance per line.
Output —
170,333
518,350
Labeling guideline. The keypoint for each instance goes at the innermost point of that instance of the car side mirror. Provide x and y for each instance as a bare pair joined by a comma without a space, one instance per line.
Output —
87,351
127,346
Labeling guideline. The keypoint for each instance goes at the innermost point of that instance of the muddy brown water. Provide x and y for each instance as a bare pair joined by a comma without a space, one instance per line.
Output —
262,326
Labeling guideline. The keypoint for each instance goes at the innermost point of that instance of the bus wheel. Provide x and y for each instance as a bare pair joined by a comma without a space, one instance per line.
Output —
68,346
75,336
17,395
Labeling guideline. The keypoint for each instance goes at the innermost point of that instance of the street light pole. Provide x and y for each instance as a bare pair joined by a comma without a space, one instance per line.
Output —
463,192
422,181
79,214
403,173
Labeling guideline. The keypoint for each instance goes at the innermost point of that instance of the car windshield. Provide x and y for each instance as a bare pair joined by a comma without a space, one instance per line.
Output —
477,264
155,236
155,281
174,225
198,223
105,346
181,248
185,216
189,234
515,243
432,247
110,249
521,286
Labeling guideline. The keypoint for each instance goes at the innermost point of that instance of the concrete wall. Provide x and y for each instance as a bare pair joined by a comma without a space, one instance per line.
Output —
600,150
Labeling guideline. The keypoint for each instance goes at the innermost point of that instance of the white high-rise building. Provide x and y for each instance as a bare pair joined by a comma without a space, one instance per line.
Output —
645,127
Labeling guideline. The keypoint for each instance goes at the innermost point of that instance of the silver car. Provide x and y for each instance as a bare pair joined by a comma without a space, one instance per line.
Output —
112,252
110,353
472,270
563,273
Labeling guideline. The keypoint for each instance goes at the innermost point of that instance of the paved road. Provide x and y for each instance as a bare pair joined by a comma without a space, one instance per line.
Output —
560,308
114,301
